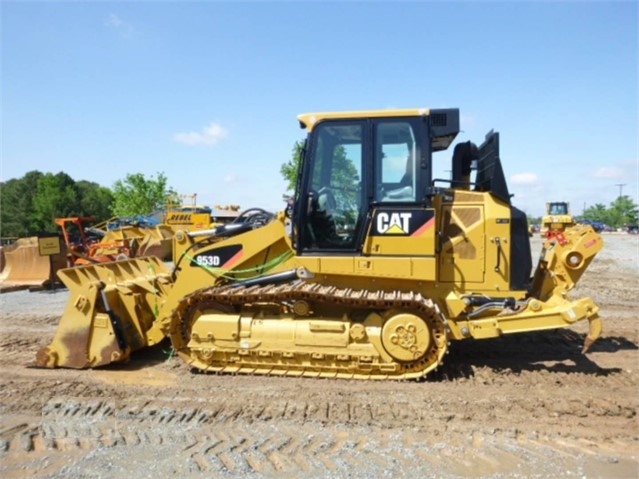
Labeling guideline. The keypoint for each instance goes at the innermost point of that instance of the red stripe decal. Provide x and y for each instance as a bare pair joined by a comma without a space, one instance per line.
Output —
425,227
234,260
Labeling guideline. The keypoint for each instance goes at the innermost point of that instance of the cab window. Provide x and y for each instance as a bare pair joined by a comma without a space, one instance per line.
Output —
335,203
395,161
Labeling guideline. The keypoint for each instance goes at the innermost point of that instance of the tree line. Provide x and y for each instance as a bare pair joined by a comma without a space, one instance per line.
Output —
30,205
621,212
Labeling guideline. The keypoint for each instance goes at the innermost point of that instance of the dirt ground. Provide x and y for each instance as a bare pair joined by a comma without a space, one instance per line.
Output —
527,405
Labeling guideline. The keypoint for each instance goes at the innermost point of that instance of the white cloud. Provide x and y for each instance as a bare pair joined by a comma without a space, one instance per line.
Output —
232,178
525,179
609,172
116,23
113,21
210,135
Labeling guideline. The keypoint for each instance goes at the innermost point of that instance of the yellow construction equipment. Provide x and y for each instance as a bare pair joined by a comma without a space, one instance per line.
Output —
372,271
89,242
24,267
556,219
83,248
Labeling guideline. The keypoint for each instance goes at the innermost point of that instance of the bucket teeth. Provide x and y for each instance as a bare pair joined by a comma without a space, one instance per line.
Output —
45,358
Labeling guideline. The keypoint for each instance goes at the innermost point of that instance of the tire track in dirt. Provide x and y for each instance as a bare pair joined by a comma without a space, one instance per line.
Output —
133,422
339,407
269,449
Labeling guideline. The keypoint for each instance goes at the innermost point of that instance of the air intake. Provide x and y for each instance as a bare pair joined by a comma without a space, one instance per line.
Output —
438,119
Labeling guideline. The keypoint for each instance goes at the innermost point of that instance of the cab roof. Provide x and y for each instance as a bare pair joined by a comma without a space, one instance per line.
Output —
309,120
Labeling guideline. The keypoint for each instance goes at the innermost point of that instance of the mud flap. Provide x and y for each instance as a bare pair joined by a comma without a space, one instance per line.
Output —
111,313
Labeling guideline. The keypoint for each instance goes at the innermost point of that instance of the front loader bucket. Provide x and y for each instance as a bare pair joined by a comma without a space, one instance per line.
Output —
111,313
157,242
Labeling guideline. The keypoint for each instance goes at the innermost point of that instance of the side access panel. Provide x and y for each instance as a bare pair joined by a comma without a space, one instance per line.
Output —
462,257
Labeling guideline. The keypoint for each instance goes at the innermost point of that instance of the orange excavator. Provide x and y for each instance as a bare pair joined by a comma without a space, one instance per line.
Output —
86,248
89,242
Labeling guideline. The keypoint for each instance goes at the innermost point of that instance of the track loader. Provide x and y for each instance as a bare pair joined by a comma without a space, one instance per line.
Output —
556,219
371,272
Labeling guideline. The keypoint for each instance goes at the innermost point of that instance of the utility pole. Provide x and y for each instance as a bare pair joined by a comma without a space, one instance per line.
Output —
620,185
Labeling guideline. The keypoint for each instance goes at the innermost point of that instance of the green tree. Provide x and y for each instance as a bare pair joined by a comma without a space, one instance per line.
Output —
95,200
290,169
55,196
344,178
137,195
29,205
623,211
344,171
598,212
16,205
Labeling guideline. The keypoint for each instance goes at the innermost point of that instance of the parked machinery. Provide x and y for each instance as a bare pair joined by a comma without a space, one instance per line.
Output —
372,272
556,219
117,238
23,267
86,245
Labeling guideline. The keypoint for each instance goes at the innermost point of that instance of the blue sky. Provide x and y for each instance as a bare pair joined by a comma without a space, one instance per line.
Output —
208,92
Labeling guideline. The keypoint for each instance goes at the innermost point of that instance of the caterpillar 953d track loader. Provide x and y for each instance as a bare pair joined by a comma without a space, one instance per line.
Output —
371,272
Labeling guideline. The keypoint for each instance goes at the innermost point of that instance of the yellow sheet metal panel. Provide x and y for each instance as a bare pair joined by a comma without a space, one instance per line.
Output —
462,258
405,268
309,120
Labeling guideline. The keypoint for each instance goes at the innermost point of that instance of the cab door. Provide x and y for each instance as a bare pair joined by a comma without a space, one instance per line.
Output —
333,201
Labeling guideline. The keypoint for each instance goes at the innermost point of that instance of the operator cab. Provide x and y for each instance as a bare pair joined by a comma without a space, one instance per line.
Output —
558,208
357,162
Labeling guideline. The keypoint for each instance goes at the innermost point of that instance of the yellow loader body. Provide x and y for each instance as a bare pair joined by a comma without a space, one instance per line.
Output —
372,272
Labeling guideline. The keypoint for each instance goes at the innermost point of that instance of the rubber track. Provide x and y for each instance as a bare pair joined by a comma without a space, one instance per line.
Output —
316,293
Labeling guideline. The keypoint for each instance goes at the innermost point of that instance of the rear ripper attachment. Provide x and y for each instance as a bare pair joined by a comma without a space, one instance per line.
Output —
564,259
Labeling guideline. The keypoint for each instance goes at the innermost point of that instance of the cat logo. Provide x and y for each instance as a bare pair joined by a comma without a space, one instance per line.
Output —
415,222
393,223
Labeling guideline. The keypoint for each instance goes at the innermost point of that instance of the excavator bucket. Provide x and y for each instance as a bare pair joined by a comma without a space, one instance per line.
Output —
111,313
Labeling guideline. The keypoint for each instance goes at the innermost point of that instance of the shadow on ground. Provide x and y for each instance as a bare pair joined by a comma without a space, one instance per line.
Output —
553,351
